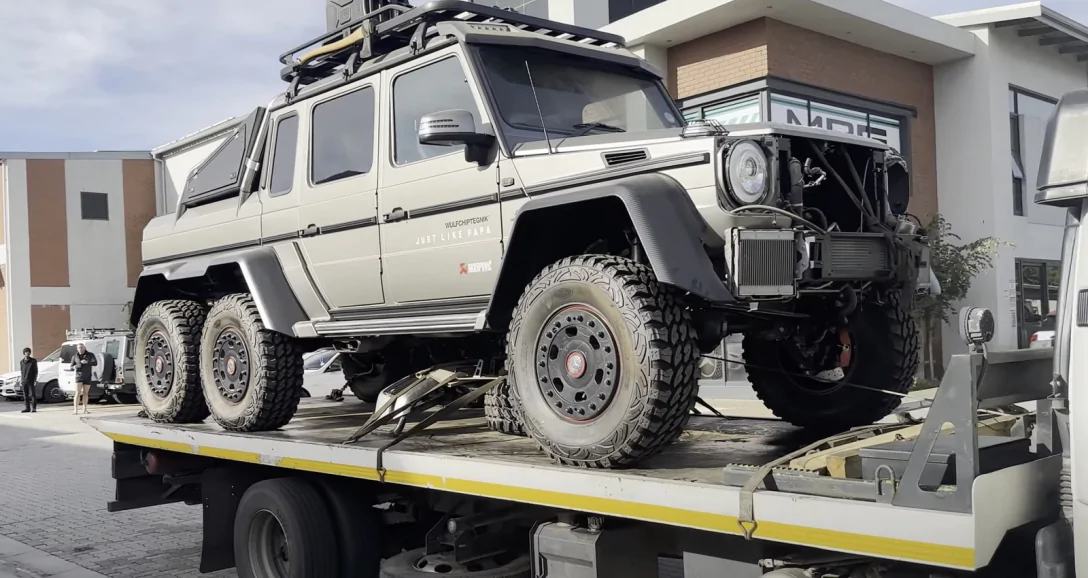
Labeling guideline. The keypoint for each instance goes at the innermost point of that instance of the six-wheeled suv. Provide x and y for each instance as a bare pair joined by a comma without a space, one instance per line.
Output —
454,181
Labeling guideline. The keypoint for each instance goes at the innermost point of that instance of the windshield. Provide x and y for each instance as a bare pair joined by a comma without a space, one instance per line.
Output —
67,352
577,96
318,359
52,356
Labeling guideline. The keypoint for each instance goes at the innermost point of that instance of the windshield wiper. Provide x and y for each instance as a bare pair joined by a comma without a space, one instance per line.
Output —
589,126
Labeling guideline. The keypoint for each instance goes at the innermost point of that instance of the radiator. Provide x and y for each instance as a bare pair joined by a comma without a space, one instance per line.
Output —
762,263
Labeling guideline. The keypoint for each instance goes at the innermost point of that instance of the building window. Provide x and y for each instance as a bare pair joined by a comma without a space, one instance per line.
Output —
1037,286
808,112
343,137
94,206
1028,113
619,9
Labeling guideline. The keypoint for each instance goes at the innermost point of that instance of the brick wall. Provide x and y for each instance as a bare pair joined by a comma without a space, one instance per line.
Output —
767,47
722,59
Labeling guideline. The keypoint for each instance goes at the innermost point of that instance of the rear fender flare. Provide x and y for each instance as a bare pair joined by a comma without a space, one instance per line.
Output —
261,269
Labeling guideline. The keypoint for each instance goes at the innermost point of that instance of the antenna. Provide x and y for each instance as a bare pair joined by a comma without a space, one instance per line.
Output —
539,111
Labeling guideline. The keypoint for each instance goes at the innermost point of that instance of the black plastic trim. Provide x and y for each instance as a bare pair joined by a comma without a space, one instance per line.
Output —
278,238
1082,308
628,170
470,203
341,227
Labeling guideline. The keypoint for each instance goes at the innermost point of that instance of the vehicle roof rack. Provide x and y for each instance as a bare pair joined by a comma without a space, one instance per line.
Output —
89,333
395,26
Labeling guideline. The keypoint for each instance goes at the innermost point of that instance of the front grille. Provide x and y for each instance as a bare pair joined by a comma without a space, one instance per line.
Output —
763,263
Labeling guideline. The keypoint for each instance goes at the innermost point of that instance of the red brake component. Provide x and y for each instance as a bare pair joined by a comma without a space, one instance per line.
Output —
845,355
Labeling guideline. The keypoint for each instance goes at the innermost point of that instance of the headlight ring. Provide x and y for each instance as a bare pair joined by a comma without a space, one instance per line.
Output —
747,173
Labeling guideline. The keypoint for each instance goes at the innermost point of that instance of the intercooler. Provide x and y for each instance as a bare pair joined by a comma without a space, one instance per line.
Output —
762,263
768,263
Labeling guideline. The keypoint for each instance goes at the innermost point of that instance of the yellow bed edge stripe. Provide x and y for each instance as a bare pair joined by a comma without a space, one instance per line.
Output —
891,548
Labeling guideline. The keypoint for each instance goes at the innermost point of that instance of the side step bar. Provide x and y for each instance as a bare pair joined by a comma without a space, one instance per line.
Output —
455,323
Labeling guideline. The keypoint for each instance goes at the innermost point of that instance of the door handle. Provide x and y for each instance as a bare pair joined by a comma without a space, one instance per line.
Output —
397,214
311,230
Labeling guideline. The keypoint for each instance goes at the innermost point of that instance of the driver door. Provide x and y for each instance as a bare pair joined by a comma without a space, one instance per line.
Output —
439,216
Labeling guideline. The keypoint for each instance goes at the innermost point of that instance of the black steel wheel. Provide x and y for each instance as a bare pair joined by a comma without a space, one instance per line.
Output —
417,563
602,360
252,376
167,361
878,350
52,393
283,529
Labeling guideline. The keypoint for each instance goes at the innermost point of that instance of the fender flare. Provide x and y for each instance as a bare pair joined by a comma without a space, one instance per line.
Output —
261,269
674,236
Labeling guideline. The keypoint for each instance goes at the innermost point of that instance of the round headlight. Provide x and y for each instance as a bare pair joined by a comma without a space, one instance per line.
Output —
746,172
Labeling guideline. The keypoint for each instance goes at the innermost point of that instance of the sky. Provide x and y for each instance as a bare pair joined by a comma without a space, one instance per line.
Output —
136,74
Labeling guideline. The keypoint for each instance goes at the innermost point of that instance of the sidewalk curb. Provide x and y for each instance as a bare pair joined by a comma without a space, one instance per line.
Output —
18,560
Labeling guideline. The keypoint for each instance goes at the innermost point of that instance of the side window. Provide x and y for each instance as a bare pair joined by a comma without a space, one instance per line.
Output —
343,137
335,365
433,88
113,348
283,156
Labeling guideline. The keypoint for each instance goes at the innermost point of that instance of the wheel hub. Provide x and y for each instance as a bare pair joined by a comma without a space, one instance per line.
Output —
159,364
268,546
230,365
577,364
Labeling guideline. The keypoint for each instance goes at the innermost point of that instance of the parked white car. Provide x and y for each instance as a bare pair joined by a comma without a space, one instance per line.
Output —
1041,339
47,389
321,373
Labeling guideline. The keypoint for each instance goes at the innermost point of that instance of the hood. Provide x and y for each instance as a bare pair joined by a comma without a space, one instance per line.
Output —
583,158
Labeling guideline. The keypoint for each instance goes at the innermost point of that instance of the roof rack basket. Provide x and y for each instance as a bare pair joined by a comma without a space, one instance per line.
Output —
394,26
89,333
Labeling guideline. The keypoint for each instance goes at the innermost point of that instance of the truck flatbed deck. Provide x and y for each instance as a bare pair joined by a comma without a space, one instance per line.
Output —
682,487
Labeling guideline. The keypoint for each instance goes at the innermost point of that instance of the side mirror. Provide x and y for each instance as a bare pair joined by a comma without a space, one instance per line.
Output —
456,127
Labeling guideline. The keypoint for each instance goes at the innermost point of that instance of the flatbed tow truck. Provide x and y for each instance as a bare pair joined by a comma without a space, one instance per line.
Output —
697,500
979,487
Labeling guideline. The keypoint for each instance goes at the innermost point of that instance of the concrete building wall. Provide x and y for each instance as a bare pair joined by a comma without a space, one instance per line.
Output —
17,281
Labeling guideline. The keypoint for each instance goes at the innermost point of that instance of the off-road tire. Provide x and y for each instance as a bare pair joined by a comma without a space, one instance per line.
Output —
181,321
884,340
656,344
307,524
275,371
367,389
502,415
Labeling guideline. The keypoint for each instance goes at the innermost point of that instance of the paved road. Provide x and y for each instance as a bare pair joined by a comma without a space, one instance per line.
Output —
54,485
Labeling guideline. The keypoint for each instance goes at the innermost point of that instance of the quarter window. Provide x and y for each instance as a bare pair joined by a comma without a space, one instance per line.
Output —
433,88
343,137
283,157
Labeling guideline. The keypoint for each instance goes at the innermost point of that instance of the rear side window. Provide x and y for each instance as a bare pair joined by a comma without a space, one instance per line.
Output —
67,352
283,157
113,348
343,137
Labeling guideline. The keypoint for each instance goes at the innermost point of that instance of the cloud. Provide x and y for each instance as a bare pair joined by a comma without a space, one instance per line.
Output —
119,74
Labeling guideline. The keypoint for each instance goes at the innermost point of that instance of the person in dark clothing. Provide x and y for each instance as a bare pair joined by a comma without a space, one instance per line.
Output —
82,362
29,368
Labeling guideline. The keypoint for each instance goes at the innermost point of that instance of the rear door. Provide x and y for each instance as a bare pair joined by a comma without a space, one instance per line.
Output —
339,211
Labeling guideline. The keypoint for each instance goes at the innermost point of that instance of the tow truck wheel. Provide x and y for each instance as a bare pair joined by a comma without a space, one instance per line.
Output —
358,527
167,367
283,529
878,350
502,414
416,563
603,359
252,376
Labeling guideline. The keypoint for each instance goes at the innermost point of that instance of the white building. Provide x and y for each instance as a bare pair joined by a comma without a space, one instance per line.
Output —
992,111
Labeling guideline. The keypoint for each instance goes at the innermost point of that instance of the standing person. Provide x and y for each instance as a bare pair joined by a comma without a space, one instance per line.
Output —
29,370
82,362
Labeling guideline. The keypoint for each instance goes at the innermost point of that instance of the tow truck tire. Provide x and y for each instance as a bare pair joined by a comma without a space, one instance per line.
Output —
416,564
358,528
285,516
252,376
884,354
167,361
604,362
502,414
